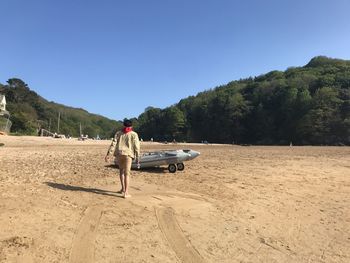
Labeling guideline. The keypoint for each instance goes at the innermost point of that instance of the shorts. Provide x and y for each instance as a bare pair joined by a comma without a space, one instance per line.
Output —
124,163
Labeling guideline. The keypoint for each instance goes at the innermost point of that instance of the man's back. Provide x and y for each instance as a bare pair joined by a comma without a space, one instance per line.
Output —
127,144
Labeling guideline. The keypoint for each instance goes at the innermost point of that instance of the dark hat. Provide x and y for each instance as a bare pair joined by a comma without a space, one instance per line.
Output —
127,123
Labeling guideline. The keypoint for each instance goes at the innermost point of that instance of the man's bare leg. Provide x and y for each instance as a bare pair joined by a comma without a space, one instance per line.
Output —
122,176
127,177
126,183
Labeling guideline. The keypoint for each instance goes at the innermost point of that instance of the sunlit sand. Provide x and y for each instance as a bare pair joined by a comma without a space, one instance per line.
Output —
60,202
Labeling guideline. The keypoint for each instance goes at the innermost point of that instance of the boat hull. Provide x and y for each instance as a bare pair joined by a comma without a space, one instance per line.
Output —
159,158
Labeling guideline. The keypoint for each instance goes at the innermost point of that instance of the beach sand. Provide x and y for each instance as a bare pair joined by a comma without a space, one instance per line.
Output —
59,203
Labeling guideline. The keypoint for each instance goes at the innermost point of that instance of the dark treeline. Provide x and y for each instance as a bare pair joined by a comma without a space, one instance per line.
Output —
303,105
30,112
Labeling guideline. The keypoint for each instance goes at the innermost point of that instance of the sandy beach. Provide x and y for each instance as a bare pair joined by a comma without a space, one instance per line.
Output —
59,203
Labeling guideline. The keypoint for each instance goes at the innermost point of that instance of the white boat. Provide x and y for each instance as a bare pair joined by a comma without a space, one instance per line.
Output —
173,158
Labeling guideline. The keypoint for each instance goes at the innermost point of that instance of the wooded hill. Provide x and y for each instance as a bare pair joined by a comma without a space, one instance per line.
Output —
30,112
302,105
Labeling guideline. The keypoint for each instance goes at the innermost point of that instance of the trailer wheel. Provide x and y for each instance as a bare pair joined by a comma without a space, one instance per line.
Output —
172,168
180,166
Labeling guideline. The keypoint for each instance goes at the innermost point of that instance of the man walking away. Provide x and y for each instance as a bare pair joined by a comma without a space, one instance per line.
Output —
125,147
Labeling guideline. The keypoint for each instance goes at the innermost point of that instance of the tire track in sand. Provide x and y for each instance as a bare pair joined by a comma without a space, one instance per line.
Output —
83,249
175,237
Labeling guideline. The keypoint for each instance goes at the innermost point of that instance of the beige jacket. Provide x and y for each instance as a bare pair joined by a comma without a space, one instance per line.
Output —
125,144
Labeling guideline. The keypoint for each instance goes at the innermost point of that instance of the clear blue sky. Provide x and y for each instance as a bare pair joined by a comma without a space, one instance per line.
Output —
115,58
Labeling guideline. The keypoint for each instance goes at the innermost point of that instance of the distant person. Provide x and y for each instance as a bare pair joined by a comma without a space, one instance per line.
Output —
125,147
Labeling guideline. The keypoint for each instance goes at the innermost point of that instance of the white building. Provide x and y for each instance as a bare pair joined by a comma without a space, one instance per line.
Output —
2,103
5,123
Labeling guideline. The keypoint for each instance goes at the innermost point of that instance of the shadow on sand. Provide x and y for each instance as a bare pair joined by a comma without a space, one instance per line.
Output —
67,187
158,170
112,166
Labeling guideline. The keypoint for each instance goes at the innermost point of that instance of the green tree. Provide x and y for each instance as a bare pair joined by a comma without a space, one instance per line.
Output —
173,123
318,123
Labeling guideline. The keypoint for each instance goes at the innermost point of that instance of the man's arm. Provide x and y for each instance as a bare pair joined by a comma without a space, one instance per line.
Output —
111,148
137,147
